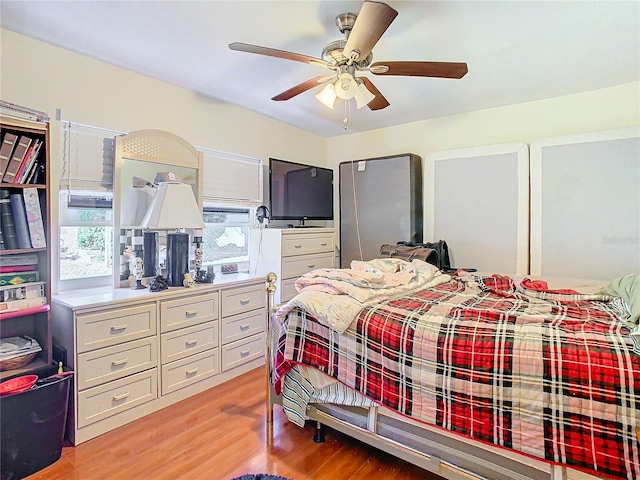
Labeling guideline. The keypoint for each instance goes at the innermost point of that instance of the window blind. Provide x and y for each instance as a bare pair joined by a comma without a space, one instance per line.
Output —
87,158
229,178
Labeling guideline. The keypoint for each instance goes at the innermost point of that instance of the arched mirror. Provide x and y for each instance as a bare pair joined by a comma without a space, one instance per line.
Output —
144,159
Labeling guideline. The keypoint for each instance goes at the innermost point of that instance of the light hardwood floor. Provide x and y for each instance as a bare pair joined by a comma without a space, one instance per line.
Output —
221,434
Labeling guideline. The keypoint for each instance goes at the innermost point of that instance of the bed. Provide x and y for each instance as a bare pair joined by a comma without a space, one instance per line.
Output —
468,375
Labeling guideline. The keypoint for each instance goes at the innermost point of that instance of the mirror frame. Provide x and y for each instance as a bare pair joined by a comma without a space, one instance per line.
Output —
159,147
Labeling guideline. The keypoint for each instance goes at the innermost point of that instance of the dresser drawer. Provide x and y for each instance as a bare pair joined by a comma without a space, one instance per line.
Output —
188,341
107,364
305,244
111,327
243,325
186,312
188,371
242,351
239,300
288,289
296,267
107,400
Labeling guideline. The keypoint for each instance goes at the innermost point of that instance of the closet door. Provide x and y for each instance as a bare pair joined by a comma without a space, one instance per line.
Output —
477,200
585,205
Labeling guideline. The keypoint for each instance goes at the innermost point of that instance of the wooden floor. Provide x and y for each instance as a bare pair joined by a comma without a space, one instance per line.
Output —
222,434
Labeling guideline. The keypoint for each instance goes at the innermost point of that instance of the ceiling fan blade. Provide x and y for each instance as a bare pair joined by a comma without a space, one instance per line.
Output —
273,52
303,87
420,69
372,21
379,102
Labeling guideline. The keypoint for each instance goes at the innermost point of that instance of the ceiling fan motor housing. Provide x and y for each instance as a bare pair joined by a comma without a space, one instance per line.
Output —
345,22
334,51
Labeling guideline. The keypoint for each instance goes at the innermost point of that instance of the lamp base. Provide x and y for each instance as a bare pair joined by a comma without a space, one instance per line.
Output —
177,258
203,277
150,253
138,285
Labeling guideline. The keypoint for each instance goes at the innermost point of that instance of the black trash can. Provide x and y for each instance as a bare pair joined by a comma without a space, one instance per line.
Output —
32,426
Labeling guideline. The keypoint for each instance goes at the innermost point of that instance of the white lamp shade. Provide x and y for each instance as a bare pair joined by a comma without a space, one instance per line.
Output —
173,206
364,96
327,95
346,86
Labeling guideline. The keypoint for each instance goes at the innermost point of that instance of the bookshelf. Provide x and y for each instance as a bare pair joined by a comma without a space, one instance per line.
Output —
25,262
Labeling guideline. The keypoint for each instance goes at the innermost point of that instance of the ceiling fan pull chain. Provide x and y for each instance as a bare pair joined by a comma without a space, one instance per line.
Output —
346,123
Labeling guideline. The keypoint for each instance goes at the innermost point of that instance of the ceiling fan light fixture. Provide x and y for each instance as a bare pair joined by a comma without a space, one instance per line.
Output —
346,86
363,96
327,96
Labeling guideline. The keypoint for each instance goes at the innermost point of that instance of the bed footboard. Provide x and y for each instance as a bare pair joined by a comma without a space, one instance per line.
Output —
271,397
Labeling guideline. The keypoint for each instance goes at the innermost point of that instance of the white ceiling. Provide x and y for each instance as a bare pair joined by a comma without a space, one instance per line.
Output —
516,51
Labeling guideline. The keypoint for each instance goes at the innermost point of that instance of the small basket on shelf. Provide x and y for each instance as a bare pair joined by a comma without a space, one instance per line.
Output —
16,352
17,362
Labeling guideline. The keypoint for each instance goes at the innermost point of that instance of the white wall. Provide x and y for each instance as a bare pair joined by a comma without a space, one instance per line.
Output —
44,77
605,109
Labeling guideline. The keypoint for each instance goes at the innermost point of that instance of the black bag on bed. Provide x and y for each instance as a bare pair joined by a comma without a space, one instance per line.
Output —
441,249
408,253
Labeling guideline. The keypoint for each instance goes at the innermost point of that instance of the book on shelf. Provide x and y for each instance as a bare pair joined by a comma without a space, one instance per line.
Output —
20,220
21,304
8,226
6,150
19,259
24,113
37,175
18,278
25,160
22,291
15,268
29,161
34,217
16,159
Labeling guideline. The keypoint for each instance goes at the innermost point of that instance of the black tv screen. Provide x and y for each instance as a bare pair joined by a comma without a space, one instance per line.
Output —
300,192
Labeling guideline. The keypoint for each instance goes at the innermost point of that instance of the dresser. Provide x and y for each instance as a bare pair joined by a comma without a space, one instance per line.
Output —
290,253
136,351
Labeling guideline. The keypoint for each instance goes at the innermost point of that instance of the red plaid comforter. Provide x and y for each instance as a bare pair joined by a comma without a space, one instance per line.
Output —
550,375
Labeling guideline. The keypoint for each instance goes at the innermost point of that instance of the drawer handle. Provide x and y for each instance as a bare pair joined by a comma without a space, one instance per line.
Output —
117,363
311,265
323,244
191,342
297,246
192,371
245,326
118,328
190,313
245,352
245,301
117,398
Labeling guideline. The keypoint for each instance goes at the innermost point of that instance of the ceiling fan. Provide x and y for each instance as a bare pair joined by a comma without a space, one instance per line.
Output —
353,54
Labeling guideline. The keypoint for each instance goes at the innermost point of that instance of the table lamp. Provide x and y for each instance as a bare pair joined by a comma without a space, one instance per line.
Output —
174,207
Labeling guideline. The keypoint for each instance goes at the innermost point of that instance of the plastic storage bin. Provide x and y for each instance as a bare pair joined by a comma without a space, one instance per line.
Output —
32,426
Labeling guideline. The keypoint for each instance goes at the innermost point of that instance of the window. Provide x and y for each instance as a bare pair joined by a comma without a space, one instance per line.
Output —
226,235
86,236
86,216
230,179
232,189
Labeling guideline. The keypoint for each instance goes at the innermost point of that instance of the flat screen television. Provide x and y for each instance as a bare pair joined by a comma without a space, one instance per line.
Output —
300,192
